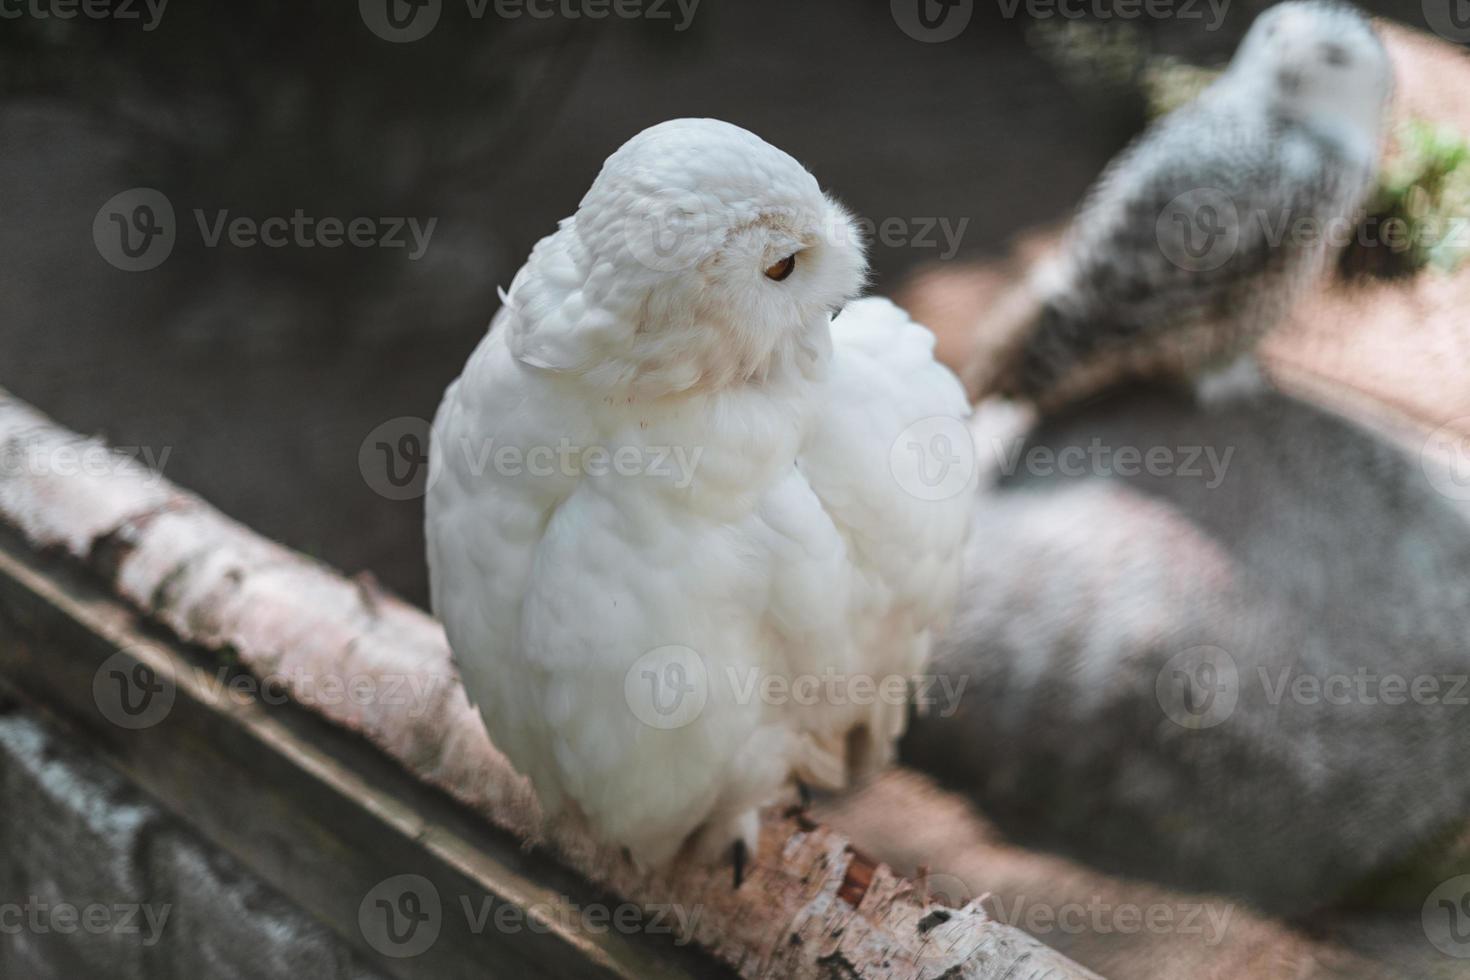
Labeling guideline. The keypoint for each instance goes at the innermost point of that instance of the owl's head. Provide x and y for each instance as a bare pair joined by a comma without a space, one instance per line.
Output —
705,257
1318,61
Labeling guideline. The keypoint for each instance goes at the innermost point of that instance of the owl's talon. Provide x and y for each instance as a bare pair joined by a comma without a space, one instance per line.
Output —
739,862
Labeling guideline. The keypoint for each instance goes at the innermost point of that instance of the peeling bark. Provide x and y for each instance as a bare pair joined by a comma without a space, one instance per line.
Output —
811,906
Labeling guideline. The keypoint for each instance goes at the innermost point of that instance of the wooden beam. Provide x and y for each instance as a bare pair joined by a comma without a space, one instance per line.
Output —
318,815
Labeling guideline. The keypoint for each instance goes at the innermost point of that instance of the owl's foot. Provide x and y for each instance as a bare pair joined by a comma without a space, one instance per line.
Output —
727,835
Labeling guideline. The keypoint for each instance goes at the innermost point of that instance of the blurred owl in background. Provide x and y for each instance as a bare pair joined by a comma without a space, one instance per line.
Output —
1199,238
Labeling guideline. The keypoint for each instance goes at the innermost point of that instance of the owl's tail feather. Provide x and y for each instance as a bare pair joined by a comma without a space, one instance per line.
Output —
1000,337
1034,350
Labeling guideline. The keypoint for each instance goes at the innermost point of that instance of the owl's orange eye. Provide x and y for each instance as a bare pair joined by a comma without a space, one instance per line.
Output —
782,270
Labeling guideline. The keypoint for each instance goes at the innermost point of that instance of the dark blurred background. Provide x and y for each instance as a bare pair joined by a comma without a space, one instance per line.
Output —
254,374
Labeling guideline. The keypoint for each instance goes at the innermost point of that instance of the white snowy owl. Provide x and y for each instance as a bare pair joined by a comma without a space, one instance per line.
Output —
674,536
1198,238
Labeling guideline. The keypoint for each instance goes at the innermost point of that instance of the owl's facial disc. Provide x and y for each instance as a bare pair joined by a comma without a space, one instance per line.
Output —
809,258
719,251
778,278
1318,61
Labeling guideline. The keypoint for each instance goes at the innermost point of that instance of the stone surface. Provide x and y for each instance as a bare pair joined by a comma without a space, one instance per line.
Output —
165,906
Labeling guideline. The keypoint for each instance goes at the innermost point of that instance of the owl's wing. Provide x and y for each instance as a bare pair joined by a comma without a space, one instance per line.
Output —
1192,210
891,460
484,523
614,631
